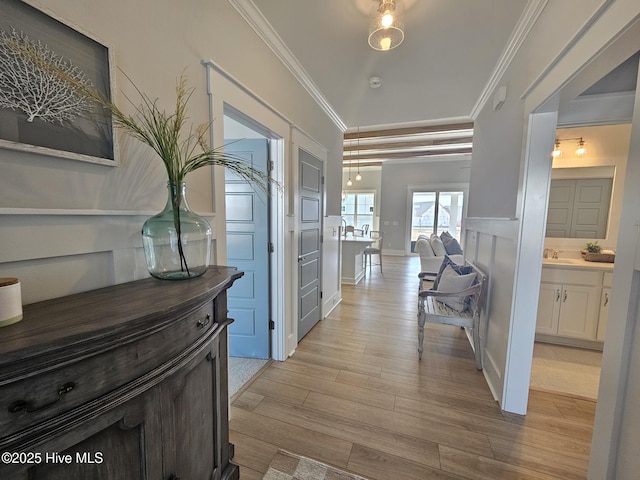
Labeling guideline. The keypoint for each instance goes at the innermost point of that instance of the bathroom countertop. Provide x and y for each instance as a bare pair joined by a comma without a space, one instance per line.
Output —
577,263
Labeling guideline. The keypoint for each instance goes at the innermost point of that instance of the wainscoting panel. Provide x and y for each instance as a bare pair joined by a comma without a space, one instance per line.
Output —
60,252
491,245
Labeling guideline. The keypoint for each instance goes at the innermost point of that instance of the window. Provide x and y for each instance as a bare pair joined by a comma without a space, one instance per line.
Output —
446,207
358,208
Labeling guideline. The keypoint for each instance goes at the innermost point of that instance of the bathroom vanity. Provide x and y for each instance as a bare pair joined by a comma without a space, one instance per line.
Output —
573,302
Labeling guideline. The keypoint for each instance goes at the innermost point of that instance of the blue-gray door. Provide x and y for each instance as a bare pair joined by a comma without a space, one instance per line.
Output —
247,211
309,242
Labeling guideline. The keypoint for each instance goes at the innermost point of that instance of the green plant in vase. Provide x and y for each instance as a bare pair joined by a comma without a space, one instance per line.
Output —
176,241
593,247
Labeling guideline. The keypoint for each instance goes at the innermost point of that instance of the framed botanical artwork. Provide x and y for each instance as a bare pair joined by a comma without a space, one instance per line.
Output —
39,113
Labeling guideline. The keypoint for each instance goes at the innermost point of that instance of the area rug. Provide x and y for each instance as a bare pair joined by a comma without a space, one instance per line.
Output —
288,466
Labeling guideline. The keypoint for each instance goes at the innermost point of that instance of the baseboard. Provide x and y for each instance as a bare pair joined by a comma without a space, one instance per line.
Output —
330,303
570,342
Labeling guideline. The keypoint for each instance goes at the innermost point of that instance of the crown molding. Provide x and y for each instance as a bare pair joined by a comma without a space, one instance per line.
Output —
257,21
526,22
570,44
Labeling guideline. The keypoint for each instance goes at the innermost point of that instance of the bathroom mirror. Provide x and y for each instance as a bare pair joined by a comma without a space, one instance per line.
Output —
580,202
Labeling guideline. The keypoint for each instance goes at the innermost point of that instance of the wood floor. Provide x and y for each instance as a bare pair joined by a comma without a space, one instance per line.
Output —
354,395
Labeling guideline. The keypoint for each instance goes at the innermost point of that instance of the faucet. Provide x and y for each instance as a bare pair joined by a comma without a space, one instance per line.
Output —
546,253
555,254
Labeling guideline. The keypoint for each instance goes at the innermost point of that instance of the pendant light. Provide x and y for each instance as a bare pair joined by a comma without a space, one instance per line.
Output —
386,26
358,176
349,182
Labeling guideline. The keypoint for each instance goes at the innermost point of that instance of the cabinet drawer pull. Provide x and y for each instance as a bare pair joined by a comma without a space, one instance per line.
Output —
205,322
564,298
20,405
557,295
606,299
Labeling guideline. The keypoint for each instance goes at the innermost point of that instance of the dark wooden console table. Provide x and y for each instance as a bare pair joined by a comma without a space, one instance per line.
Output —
124,382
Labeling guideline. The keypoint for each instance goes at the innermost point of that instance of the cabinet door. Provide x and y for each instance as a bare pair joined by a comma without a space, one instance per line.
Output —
548,308
123,443
190,418
604,313
579,310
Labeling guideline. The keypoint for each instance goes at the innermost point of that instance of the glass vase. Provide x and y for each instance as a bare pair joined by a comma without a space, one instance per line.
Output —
177,241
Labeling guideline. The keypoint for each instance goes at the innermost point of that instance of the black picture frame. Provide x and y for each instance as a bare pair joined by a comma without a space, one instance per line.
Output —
87,138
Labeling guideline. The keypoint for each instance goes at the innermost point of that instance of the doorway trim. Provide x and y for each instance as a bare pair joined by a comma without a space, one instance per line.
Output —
223,89
432,187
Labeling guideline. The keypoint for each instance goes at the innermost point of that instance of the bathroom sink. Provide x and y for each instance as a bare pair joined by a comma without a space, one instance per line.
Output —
564,261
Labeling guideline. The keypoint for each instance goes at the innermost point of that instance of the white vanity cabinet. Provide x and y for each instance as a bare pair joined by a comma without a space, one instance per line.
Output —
604,306
569,304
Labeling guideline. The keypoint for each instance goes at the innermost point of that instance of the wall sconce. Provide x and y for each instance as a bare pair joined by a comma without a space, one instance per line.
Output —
580,150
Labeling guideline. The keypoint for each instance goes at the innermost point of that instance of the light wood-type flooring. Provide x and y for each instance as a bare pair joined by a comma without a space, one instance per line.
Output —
354,395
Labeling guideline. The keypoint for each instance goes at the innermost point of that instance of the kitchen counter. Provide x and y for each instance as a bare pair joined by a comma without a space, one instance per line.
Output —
352,259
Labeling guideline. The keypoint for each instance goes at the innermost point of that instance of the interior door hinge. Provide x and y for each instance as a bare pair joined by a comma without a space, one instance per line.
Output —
323,180
270,165
271,247
272,325
320,293
322,238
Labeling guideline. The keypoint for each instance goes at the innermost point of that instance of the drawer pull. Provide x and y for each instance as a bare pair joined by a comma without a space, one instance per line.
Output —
205,322
20,405
564,298
606,299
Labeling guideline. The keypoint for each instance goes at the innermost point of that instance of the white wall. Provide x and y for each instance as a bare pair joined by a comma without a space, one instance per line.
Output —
512,142
497,183
617,422
68,226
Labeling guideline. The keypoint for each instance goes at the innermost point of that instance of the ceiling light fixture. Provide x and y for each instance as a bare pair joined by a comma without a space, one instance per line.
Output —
386,27
580,150
358,176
